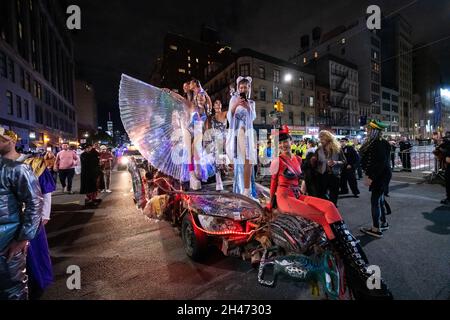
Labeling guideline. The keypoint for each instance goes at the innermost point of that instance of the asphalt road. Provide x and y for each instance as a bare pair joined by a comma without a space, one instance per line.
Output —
124,256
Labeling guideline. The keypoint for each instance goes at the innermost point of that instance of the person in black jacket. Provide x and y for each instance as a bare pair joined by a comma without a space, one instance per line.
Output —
442,152
375,158
405,154
348,175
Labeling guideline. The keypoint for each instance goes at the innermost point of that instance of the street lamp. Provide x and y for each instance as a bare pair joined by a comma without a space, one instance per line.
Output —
288,78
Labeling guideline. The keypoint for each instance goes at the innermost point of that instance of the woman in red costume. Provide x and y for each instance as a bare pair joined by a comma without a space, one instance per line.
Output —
285,194
285,188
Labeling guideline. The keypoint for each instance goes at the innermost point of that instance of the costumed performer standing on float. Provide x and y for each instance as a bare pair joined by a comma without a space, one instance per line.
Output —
241,145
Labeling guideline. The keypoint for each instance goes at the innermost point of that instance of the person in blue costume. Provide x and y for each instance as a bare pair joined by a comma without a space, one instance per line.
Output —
241,146
39,264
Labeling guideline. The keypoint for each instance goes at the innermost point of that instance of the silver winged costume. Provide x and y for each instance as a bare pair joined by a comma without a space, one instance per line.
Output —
20,215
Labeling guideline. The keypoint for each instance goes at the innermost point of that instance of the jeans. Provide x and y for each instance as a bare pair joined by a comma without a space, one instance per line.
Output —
348,176
378,207
13,278
66,174
107,178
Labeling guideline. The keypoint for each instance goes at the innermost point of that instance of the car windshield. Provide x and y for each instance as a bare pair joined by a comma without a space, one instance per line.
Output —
132,153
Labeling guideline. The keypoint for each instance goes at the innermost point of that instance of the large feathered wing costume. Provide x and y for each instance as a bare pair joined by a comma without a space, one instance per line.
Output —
156,123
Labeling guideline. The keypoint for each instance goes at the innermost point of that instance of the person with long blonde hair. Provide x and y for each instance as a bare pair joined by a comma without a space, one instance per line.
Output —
331,160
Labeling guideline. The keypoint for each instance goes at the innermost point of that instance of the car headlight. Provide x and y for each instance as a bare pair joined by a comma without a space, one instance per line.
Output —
216,225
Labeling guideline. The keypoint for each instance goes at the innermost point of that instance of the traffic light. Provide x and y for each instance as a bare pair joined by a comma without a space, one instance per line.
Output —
279,106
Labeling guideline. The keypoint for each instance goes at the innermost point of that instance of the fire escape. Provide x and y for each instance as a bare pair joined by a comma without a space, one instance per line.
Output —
342,111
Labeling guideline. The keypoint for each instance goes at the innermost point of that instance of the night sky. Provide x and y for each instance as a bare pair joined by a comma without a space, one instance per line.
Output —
121,36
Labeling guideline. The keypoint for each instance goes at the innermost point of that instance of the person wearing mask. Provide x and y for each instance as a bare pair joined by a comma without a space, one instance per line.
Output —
348,176
106,161
89,175
331,160
20,217
66,161
405,153
375,156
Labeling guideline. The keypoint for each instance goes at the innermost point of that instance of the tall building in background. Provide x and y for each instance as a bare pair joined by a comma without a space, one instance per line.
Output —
397,67
86,108
340,80
184,59
426,88
357,45
273,79
36,73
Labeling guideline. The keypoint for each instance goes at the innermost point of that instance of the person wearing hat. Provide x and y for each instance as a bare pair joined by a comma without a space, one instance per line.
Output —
375,158
106,160
348,175
20,217
89,174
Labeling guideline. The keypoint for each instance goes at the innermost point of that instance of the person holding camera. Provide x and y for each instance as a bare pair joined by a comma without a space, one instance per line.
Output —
241,147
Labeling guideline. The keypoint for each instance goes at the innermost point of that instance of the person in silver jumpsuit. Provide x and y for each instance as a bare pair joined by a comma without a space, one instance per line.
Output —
20,215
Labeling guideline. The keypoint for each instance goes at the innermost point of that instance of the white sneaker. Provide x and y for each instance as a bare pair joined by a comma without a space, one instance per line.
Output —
195,184
219,184
108,191
64,190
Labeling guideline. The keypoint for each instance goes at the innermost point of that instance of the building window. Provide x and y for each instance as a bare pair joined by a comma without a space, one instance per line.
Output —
303,119
395,108
343,51
375,67
263,117
386,95
276,76
316,55
262,72
11,71
375,42
3,71
9,103
386,107
61,125
262,94
291,118
244,70
182,70
48,119
375,55
26,106
39,115
55,122
375,77
19,107
28,82
305,60
375,87
173,47
375,99
311,101
276,93
22,78
291,97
